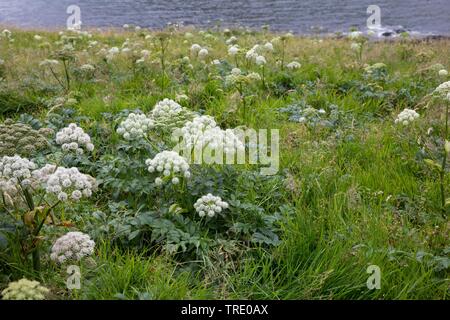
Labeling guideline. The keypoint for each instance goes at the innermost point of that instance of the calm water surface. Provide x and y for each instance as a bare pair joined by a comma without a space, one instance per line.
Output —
422,16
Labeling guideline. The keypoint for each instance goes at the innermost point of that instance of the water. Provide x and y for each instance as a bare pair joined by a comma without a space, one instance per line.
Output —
299,16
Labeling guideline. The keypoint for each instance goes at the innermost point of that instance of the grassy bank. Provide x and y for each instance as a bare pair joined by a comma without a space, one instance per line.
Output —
353,188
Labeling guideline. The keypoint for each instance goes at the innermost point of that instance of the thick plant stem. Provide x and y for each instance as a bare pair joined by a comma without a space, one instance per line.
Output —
163,65
67,75
36,255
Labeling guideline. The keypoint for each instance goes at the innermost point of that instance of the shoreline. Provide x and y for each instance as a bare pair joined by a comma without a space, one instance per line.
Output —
412,36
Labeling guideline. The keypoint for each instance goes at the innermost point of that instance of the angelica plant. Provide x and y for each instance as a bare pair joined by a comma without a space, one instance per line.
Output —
66,56
163,39
30,195
73,246
25,289
442,95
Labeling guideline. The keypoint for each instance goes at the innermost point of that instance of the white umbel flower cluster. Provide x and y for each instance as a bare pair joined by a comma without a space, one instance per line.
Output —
72,247
443,90
166,108
15,170
355,46
443,73
199,51
406,117
171,165
198,125
253,55
268,46
135,126
65,182
195,48
233,50
210,205
73,138
260,60
294,65
203,53
203,132
24,289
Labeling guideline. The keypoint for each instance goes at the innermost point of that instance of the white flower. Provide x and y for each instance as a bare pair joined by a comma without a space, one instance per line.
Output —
354,35
293,65
169,165
195,48
49,62
268,46
443,73
215,62
203,132
6,33
203,53
260,60
112,52
37,37
92,43
406,116
252,54
166,108
443,89
355,46
233,50
210,205
236,71
87,68
231,40
135,126
24,289
126,26
253,76
15,171
73,138
62,181
72,246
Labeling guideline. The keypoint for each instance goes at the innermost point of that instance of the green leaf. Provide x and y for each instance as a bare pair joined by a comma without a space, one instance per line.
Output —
133,234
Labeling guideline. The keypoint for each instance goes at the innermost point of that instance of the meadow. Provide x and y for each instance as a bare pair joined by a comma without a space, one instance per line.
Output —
91,189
